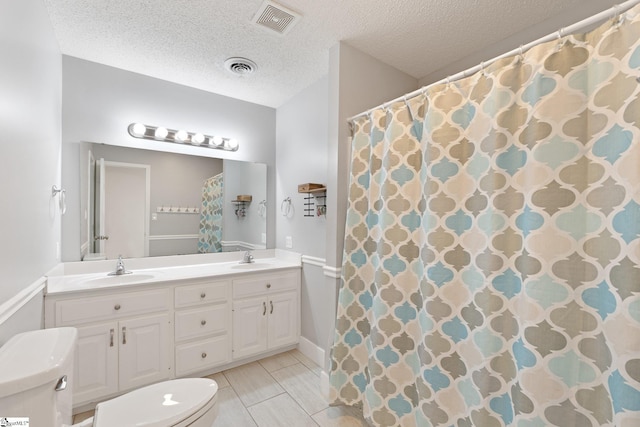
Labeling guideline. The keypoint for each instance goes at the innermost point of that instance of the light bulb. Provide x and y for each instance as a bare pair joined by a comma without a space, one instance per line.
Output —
198,138
138,130
233,144
161,133
216,140
182,136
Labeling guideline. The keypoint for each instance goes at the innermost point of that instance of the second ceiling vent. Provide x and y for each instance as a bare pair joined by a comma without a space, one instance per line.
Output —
276,17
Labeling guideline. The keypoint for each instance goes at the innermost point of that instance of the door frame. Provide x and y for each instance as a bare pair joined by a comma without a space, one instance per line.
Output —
147,208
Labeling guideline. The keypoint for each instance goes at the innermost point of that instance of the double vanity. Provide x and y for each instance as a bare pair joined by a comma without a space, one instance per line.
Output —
173,317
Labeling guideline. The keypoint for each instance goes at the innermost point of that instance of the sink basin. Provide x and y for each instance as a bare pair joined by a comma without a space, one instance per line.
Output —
119,280
251,266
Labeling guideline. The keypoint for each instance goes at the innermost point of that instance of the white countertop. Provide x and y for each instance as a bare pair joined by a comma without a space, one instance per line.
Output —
63,283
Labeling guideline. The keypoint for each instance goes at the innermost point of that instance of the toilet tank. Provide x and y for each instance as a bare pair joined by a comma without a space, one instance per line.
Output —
36,371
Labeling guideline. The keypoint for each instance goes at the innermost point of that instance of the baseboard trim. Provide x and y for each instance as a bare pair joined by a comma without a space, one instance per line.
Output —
15,303
312,351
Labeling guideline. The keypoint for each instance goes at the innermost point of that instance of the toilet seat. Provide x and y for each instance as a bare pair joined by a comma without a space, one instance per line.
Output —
165,404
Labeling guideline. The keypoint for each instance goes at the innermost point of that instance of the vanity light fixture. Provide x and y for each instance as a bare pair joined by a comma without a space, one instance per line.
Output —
139,130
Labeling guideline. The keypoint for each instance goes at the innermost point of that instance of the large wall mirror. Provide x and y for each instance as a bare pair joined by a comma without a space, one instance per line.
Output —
138,203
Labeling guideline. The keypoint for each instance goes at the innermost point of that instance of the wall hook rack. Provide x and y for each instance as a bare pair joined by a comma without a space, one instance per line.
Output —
178,209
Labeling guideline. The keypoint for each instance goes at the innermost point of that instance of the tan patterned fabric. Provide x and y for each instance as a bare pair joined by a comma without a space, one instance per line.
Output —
491,270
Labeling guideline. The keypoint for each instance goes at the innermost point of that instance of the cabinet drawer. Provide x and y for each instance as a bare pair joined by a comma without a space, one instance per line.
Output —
201,355
263,284
202,294
91,309
199,322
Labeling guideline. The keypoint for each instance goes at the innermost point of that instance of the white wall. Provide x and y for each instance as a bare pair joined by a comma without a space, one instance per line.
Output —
100,102
30,111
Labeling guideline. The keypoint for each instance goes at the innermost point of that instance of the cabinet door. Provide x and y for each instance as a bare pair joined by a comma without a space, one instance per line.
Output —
96,362
144,351
249,326
284,323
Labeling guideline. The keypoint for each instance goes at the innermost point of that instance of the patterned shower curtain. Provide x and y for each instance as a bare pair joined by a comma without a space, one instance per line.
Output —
491,269
210,236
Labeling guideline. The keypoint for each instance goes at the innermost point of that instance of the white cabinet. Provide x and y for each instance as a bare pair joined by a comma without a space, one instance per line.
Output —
131,338
266,313
129,350
202,326
96,362
249,326
144,351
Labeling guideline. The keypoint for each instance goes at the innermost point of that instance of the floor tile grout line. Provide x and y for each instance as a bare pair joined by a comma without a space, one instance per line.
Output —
292,397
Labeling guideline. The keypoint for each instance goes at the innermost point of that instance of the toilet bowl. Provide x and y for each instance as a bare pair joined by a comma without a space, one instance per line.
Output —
36,383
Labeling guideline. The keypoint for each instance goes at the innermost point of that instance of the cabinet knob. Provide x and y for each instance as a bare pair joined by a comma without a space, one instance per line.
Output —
203,322
202,295
204,355
117,307
268,285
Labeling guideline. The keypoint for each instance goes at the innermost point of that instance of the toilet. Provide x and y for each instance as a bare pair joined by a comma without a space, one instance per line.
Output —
36,371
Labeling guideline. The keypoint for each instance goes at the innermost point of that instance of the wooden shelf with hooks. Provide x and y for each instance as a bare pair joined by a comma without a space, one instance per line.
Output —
315,200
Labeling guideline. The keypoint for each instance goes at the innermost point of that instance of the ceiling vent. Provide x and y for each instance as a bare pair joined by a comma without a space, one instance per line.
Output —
240,66
275,17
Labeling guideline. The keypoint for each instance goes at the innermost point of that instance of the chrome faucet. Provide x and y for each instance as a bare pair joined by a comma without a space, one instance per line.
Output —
120,270
247,258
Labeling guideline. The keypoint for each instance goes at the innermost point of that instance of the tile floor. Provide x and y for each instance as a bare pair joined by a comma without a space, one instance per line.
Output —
281,390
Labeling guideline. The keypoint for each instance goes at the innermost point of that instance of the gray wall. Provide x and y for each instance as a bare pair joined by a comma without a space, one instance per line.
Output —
587,8
357,82
176,180
30,111
302,134
246,179
100,102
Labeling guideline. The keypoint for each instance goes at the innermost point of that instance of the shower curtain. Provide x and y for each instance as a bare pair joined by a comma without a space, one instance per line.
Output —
491,266
210,235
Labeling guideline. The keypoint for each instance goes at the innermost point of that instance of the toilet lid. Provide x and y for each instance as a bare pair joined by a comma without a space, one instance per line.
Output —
159,405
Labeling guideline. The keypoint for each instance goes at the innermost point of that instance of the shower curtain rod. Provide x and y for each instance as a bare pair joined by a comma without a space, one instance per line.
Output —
602,16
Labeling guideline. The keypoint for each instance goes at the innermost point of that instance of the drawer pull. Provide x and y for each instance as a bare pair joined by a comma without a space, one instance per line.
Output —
111,332
268,285
202,295
204,355
124,335
264,308
271,303
203,322
117,307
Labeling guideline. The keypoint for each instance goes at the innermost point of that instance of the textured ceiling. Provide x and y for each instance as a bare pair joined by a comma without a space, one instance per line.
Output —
187,41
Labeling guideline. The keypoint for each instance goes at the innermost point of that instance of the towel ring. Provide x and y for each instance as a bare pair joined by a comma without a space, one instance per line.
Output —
285,206
62,202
